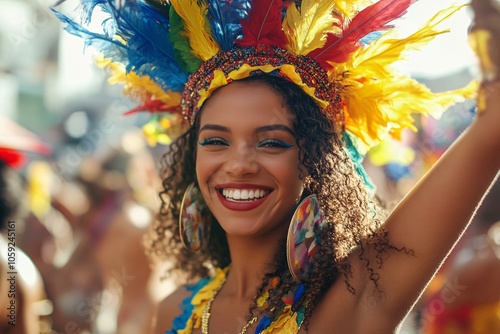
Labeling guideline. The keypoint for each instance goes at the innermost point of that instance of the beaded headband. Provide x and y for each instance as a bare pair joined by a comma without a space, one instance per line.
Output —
240,63
171,56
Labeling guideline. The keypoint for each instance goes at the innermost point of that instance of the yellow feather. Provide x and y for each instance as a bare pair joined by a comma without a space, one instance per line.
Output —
193,13
381,108
137,87
306,28
389,48
379,101
349,8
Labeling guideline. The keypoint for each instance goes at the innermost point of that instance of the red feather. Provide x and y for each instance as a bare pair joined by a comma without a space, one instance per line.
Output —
263,26
153,106
373,18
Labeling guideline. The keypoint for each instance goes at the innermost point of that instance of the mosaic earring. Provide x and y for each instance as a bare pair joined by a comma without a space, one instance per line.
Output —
194,220
301,240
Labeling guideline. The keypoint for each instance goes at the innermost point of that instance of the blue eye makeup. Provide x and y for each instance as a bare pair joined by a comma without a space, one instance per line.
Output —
269,143
274,143
213,141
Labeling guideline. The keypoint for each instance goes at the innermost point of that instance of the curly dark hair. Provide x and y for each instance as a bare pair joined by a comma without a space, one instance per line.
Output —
354,215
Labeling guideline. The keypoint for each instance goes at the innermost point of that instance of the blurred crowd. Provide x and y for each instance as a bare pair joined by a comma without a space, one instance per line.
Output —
79,190
79,185
80,243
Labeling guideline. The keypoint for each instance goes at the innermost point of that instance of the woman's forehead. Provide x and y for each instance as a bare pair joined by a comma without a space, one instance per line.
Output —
246,103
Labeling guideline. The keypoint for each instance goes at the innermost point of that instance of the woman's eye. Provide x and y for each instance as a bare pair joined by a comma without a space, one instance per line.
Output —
274,143
214,142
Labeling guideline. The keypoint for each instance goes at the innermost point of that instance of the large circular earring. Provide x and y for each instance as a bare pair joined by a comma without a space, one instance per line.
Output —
194,220
301,243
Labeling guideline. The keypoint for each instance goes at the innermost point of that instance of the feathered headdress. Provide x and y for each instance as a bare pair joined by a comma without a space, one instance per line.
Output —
172,55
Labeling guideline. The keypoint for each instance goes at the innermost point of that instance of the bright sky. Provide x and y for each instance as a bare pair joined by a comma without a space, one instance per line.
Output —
447,53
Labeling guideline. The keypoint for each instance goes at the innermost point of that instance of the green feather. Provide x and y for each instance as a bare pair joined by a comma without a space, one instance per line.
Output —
182,50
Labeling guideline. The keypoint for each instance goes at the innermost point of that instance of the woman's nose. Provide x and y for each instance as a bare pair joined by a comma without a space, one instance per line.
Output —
242,161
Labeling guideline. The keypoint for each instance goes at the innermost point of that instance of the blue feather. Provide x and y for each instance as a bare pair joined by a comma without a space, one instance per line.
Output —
225,19
87,8
99,41
371,37
147,50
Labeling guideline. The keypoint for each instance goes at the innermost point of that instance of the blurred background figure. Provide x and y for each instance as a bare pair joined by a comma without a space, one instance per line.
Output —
465,297
120,187
90,239
25,307
90,202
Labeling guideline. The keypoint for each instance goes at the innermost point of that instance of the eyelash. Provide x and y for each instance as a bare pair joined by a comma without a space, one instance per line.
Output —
274,143
214,141
270,143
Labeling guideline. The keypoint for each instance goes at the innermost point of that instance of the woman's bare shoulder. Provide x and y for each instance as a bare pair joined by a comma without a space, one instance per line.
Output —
169,308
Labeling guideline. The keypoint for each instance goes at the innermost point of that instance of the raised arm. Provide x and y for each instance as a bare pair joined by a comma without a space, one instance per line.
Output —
431,218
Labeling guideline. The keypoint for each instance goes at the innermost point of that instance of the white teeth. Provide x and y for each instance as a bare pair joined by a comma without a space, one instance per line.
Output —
244,194
237,194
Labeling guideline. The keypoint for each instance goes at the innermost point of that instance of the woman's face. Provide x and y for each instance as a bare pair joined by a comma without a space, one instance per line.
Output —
247,159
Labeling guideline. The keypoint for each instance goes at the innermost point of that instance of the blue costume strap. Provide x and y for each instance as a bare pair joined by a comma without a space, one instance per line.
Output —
186,306
263,324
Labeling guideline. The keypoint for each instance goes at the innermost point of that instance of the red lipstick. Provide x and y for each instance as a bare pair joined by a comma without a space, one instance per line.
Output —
241,205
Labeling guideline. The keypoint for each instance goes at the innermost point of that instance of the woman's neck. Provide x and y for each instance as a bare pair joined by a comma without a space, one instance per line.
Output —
250,259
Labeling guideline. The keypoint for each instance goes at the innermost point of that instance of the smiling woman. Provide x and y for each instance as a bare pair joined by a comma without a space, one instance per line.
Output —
263,135
266,207
250,153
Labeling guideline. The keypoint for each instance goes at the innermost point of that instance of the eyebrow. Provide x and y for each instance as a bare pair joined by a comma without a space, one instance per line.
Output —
274,127
261,129
214,127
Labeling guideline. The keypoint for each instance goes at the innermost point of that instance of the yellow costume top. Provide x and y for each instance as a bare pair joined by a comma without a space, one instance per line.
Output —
287,322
